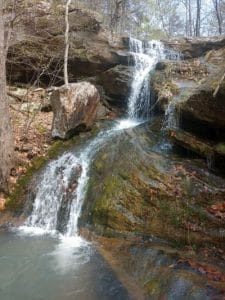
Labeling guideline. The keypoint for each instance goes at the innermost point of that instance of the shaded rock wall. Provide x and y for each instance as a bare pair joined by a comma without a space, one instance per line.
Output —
37,45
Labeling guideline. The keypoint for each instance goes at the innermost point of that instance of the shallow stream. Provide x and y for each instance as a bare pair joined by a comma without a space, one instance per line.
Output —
45,267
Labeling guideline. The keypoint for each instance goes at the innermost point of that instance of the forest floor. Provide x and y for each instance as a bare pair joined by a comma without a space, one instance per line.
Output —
32,134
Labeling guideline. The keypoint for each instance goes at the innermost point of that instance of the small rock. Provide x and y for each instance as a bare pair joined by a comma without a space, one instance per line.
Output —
30,107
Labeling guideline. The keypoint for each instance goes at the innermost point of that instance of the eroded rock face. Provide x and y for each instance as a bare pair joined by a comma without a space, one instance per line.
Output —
192,94
117,84
195,47
173,77
74,107
140,193
37,45
134,185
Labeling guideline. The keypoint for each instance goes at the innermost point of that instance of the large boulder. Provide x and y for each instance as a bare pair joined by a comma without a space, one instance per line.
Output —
117,84
74,107
37,44
134,186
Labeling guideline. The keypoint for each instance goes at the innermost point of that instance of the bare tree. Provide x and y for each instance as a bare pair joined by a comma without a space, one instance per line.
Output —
66,42
6,134
198,18
188,15
217,7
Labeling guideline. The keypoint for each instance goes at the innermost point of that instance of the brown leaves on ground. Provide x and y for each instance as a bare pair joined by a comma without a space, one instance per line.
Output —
192,226
218,210
210,272
2,203
32,133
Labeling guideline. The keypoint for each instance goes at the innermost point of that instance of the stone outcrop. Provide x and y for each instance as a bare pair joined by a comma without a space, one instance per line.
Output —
162,271
195,47
173,77
29,99
37,45
74,107
157,201
196,90
116,83
134,186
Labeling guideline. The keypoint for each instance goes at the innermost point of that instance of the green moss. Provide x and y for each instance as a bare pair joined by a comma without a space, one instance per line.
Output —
153,287
220,148
79,53
41,129
103,203
100,162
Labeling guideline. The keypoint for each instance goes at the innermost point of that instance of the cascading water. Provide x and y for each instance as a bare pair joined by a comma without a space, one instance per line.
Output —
171,119
145,55
62,189
63,184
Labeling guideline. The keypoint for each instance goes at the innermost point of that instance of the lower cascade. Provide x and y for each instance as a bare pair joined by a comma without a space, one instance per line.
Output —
62,186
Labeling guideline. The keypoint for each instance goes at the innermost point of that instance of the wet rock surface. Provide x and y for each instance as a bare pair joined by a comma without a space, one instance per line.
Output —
116,83
134,184
160,269
140,191
194,90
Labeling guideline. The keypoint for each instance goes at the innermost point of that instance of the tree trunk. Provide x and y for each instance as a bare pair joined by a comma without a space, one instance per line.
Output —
66,81
198,19
217,6
6,135
190,17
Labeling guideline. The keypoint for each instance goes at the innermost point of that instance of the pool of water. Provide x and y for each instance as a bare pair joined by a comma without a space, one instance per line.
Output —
45,267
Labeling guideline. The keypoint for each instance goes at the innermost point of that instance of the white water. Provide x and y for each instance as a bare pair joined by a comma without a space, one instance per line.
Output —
145,55
171,119
57,185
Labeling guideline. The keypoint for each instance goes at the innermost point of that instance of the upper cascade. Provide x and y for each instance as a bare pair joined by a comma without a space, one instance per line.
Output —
145,55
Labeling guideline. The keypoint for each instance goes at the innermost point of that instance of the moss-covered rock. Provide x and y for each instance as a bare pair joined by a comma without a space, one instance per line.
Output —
136,190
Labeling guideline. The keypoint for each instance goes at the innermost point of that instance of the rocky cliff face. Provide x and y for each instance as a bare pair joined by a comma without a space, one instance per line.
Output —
147,202
195,47
37,45
194,90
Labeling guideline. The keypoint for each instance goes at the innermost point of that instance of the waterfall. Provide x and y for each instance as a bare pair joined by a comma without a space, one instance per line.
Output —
172,118
145,55
63,183
62,188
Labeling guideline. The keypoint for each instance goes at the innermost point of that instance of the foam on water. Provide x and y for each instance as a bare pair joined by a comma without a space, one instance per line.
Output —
126,123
